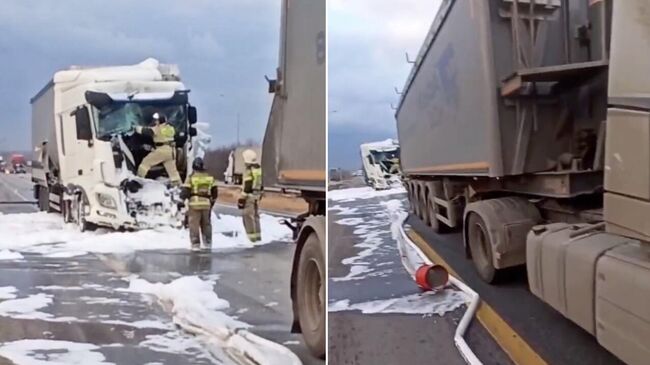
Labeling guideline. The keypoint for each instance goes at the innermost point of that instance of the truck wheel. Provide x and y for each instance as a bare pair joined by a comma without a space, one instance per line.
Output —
434,223
311,295
411,197
424,211
78,211
43,199
416,200
480,247
66,210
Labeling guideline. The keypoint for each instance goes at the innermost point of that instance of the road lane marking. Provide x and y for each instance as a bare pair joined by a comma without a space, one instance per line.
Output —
505,336
12,189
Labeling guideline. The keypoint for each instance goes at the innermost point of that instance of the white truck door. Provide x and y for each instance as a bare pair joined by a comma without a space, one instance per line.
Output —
75,143
83,142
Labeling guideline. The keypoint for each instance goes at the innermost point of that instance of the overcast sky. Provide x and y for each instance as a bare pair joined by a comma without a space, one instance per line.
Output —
223,48
367,41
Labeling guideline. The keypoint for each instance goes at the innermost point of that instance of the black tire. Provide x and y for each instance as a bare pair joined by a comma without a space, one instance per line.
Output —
435,224
411,196
78,216
416,201
310,295
43,199
424,209
66,212
480,246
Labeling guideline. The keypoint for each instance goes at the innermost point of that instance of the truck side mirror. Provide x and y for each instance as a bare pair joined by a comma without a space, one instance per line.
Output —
191,115
273,85
82,121
193,132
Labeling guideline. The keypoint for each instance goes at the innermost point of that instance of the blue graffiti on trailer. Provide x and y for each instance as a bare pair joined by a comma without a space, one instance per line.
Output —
439,96
447,74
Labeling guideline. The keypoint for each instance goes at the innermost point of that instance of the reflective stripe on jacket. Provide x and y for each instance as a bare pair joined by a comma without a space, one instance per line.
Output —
200,185
163,133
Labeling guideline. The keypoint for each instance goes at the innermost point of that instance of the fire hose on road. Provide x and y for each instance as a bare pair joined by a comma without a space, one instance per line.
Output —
413,260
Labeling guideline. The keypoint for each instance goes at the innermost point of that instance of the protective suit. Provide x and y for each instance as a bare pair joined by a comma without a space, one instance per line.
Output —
201,190
165,149
250,196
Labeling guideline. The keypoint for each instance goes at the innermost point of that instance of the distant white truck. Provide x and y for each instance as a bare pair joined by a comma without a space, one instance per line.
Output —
235,170
381,164
86,152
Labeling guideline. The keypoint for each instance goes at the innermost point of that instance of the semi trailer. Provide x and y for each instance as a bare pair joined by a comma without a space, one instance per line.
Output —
235,169
526,124
380,162
86,151
293,157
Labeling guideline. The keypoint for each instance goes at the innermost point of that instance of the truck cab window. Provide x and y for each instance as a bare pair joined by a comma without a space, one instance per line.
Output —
82,120
122,117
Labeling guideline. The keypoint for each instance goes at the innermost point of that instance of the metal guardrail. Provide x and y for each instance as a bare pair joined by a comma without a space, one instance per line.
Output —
22,202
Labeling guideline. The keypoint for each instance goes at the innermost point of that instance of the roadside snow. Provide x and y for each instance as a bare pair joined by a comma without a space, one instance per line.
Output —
50,352
349,195
46,234
197,308
10,255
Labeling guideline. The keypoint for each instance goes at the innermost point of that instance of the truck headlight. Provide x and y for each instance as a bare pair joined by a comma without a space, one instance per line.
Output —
106,201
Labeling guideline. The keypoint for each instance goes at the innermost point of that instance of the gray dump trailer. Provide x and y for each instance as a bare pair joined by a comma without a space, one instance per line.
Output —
526,124
293,156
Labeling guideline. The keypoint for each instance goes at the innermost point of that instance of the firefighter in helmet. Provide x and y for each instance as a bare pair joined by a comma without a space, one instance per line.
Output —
165,148
201,190
251,193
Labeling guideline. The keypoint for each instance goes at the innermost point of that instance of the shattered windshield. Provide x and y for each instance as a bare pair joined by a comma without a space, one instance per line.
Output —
380,156
386,160
124,116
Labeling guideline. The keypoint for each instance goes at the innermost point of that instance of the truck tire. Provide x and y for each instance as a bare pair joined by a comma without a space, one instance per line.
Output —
436,225
43,199
311,295
77,212
416,200
411,196
423,202
480,246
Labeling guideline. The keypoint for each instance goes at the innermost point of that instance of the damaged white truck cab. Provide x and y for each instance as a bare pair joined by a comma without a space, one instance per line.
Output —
381,164
86,151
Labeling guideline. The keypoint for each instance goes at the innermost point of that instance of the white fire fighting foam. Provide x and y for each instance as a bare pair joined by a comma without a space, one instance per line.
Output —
391,212
349,195
51,352
46,234
197,308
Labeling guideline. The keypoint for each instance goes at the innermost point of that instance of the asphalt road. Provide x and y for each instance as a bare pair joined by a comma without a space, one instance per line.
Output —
557,340
88,307
376,274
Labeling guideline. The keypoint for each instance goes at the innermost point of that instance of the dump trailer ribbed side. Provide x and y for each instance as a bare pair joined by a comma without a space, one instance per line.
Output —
293,156
490,99
294,144
526,124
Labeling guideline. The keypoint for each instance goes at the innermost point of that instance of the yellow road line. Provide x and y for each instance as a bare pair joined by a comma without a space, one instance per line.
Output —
514,346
